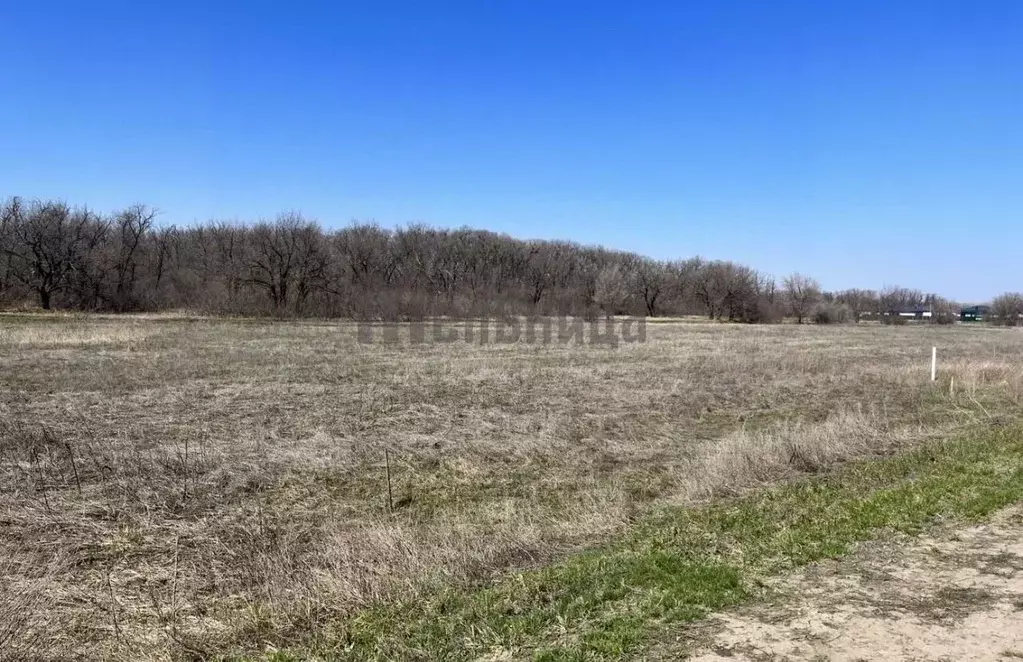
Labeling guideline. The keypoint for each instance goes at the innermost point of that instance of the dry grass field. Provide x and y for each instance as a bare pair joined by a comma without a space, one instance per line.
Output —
176,488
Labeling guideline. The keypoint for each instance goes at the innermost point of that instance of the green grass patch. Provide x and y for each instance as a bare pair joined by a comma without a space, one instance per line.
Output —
683,563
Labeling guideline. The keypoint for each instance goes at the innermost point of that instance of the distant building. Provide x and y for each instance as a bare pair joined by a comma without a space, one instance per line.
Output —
916,312
974,313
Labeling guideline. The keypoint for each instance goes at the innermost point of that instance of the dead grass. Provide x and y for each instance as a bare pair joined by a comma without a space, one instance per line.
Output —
175,487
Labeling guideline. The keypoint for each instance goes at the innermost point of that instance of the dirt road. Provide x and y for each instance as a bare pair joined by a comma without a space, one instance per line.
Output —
956,594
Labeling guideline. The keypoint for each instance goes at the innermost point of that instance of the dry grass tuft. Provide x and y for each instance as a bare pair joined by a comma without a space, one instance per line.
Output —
745,459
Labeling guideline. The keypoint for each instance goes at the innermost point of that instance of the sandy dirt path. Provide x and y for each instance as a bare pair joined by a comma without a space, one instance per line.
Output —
956,594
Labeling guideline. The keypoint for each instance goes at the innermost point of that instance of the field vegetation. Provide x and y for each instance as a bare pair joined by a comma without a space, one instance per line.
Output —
180,487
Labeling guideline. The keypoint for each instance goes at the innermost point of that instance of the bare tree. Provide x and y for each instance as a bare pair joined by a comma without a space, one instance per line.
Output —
860,302
542,269
710,288
161,254
610,290
125,261
49,244
367,260
734,292
1007,309
131,228
894,299
287,261
749,295
802,293
10,215
650,280
683,277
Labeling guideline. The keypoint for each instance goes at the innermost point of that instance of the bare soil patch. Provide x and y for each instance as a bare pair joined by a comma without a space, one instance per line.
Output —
956,594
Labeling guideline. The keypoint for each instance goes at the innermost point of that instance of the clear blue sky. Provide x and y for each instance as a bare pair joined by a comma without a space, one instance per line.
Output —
865,143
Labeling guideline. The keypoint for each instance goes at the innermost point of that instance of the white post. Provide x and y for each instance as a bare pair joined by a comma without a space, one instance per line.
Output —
934,364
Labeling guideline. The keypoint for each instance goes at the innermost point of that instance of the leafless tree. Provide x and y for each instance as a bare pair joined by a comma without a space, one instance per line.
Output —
683,277
542,269
287,261
1007,309
49,243
130,229
749,295
860,302
650,280
711,288
801,293
894,299
125,261
10,215
610,290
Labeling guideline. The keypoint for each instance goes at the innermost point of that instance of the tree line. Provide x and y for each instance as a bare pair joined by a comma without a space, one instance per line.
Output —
60,256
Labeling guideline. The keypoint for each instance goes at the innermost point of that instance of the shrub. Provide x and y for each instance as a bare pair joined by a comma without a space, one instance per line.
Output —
831,313
762,312
894,319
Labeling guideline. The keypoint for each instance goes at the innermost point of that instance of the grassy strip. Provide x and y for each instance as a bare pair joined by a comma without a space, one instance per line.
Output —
683,563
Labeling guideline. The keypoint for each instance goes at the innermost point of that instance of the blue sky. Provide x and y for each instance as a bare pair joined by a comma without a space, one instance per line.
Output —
865,143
